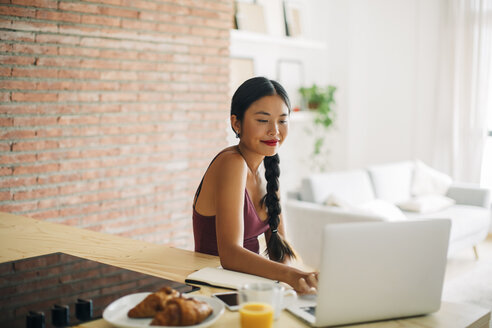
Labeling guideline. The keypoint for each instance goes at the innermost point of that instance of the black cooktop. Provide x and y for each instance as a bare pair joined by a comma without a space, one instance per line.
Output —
61,282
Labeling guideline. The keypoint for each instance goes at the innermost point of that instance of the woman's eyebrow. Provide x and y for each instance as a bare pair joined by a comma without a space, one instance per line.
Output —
265,113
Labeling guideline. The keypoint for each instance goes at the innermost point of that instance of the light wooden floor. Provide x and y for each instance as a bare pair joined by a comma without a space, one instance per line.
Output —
464,261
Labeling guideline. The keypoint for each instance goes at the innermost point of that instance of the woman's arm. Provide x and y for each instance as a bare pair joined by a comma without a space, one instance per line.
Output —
230,184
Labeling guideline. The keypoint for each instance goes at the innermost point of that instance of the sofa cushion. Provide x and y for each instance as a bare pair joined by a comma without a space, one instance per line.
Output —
392,181
426,203
352,186
466,220
384,209
337,201
427,180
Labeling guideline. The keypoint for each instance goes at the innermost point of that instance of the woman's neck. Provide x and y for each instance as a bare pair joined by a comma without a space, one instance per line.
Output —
252,160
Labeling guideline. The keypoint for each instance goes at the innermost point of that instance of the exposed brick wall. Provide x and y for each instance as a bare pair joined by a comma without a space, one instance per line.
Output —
111,110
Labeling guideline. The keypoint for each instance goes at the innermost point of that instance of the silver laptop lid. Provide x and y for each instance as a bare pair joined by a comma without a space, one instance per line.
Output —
374,271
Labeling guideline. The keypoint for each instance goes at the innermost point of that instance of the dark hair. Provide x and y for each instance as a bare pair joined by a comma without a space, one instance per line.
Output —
247,93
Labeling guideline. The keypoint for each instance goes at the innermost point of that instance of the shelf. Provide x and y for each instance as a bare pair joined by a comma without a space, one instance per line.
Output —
246,36
302,116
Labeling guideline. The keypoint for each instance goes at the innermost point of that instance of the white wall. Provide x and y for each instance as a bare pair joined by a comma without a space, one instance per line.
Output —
383,58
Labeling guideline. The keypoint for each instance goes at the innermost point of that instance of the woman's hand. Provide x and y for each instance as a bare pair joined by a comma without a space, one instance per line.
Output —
304,282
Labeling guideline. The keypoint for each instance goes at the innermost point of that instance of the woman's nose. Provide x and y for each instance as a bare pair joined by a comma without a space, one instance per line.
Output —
273,131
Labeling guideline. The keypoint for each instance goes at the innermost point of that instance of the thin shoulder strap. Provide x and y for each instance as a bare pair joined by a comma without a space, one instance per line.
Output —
197,193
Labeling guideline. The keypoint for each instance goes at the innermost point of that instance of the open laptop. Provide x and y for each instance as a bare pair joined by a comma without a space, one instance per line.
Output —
378,270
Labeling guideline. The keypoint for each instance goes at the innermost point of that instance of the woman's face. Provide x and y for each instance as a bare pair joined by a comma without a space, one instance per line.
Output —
265,125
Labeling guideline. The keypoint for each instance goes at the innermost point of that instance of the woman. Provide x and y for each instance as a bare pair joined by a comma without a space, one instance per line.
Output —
233,206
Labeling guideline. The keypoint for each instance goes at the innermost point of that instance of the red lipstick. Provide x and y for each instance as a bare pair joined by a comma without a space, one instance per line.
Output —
272,142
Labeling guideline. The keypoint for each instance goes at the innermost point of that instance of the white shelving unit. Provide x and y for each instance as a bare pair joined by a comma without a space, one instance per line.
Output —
294,62
238,36
302,116
271,54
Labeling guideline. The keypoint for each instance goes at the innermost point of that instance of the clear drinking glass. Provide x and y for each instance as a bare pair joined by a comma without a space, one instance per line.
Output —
272,294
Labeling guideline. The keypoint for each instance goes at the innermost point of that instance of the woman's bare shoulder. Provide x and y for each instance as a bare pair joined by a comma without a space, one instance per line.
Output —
230,159
227,174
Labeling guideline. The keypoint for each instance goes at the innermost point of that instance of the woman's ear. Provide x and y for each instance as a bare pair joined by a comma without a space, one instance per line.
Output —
236,124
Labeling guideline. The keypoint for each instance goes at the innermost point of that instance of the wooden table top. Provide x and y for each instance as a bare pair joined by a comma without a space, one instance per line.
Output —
22,237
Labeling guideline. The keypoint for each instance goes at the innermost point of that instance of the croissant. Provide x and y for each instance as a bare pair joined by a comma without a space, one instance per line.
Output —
182,312
153,303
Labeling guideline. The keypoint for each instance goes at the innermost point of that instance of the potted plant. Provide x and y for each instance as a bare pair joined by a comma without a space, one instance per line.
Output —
321,101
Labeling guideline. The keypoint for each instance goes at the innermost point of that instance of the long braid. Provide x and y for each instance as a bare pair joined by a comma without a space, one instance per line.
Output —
277,247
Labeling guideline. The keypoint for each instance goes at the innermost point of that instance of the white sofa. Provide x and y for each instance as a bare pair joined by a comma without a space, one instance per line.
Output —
323,198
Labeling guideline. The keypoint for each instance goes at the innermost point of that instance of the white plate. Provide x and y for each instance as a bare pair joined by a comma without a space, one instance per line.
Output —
116,312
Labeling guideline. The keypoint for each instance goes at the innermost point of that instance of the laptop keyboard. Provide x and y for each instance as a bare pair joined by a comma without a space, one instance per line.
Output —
310,309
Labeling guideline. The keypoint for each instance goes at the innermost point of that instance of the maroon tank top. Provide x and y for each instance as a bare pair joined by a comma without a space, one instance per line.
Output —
206,237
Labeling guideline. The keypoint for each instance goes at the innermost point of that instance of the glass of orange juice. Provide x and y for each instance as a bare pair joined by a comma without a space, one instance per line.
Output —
262,303
256,315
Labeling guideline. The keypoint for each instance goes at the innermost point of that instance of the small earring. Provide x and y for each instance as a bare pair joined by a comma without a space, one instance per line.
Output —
238,135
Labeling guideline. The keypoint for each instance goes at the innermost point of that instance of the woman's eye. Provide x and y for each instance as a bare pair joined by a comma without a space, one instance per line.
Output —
284,122
263,121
